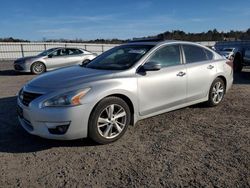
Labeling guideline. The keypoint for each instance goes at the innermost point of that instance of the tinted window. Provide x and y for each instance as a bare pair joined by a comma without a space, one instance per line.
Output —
210,55
56,53
73,51
46,52
166,56
195,54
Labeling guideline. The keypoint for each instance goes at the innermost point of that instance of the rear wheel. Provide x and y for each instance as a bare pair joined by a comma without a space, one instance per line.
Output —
109,120
38,68
216,92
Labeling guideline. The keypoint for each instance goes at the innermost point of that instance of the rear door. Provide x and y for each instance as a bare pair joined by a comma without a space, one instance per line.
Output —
74,56
201,70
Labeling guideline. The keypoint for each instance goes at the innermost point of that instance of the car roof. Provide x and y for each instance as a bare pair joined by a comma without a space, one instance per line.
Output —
65,48
158,43
154,43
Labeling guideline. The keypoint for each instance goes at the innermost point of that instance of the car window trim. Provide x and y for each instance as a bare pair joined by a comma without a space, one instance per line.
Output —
205,61
74,54
162,46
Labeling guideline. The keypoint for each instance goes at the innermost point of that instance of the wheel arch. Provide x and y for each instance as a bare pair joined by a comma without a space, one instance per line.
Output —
123,97
224,80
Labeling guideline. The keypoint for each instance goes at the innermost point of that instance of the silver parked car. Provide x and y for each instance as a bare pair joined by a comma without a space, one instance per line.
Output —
123,85
52,59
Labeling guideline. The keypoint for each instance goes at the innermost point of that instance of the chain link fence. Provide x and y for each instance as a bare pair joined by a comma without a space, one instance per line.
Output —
14,50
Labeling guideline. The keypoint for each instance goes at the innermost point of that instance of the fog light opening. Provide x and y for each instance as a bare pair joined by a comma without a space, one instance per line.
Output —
60,129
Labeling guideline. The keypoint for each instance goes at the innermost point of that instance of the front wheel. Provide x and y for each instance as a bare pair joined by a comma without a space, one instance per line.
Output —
38,68
216,92
109,120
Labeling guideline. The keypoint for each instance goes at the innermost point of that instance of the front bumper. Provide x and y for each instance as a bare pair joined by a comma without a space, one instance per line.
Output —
21,67
38,121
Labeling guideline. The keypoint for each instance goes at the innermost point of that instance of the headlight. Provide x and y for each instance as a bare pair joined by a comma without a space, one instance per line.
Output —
20,94
67,99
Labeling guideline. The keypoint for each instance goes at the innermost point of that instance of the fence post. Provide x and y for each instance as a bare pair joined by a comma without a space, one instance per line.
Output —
22,50
102,48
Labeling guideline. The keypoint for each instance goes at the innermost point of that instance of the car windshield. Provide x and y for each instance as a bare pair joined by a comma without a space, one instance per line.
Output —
120,58
46,52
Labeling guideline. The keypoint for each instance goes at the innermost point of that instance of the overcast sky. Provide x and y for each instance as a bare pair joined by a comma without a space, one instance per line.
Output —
71,19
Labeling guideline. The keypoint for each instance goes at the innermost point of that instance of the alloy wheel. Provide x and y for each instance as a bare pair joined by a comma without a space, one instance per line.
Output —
112,121
217,92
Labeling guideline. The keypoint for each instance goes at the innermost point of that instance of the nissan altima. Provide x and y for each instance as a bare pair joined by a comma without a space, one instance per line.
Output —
120,87
51,59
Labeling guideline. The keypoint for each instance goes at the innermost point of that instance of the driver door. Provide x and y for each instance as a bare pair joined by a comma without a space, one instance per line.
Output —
165,88
56,59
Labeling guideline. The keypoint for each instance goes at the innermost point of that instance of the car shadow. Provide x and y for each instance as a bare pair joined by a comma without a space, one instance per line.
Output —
242,77
12,73
14,139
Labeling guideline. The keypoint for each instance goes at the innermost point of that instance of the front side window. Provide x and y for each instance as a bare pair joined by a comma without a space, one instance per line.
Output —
46,52
56,53
166,56
120,58
196,54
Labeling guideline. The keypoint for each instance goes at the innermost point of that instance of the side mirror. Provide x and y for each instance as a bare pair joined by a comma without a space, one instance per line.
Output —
50,56
151,66
85,62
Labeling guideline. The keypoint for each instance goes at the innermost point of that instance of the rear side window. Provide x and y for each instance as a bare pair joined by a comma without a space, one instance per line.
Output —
167,56
196,54
77,51
74,51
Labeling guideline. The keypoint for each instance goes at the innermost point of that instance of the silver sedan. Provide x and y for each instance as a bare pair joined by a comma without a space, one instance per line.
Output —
120,87
52,59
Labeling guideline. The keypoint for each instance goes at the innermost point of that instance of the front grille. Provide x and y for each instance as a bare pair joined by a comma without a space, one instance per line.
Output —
27,97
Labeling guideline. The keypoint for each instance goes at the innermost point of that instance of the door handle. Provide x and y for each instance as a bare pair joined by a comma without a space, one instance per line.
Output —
210,67
181,74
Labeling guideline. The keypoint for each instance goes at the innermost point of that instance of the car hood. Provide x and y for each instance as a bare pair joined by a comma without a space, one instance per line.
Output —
69,77
26,58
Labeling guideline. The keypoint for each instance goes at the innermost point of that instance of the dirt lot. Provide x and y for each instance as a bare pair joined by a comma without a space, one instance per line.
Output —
194,146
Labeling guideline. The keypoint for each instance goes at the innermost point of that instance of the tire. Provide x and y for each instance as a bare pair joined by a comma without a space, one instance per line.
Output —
237,64
38,68
103,127
216,92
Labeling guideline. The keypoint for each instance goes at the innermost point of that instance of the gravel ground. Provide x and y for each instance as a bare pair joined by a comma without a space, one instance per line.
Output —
194,146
